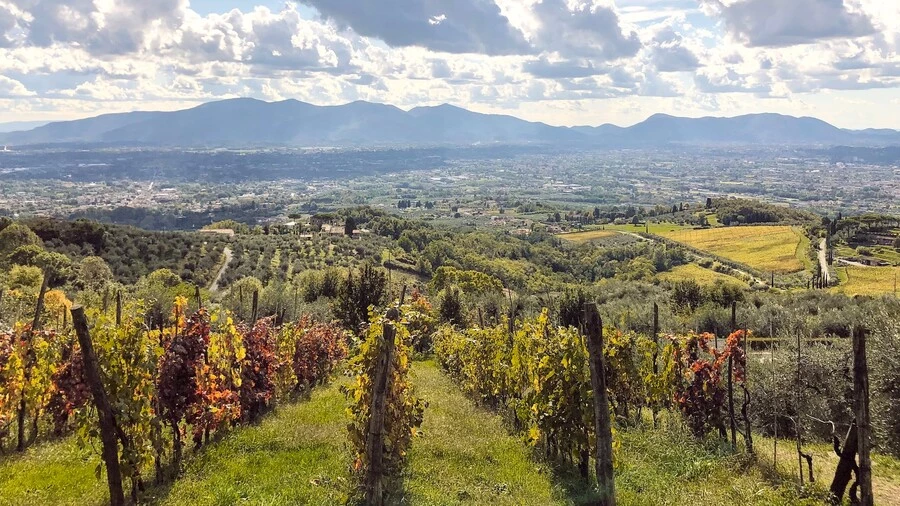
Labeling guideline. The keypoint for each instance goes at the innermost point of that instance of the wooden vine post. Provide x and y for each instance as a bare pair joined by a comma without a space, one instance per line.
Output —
798,420
863,416
104,409
603,454
655,350
774,381
374,484
731,382
745,407
29,363
255,308
119,308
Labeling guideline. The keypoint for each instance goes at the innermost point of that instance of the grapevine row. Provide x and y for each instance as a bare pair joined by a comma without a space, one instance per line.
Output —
192,379
539,374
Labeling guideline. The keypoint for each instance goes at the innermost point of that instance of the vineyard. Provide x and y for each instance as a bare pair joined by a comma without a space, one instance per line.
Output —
359,389
765,248
867,280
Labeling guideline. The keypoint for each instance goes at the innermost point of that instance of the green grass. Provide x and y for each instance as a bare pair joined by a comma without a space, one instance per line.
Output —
297,455
885,469
699,274
767,248
803,253
465,456
49,474
885,253
667,467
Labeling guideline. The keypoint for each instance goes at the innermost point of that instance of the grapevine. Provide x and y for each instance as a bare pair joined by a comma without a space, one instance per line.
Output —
404,410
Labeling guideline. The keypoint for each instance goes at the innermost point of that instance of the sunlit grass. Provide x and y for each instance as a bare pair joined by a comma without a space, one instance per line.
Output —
653,228
867,280
465,455
296,455
699,274
767,248
590,235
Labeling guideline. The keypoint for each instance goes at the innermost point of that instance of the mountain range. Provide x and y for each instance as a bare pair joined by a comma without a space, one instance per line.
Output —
248,122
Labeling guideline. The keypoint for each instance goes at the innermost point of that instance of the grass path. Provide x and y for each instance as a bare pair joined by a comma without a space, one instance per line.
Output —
297,455
52,473
465,455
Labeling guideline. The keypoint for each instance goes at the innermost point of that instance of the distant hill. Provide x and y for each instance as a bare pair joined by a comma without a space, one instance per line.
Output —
15,126
250,122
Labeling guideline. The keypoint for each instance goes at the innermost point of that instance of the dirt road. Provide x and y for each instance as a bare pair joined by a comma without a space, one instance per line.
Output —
823,258
214,286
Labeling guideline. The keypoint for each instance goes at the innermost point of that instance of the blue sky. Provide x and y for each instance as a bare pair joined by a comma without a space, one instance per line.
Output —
564,62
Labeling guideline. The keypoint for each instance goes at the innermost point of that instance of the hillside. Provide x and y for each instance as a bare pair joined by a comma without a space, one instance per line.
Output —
250,122
486,346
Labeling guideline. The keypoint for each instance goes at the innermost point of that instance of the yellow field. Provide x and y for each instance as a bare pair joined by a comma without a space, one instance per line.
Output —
766,248
699,274
654,228
589,235
866,280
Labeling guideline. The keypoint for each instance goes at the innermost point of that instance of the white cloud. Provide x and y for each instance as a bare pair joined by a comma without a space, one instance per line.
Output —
460,26
10,88
569,61
779,23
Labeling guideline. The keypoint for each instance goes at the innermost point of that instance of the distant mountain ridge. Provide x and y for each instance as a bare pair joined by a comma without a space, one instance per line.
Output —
250,122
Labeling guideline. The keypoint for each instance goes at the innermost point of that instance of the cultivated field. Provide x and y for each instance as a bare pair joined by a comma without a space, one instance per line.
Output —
590,235
653,227
766,248
866,280
699,274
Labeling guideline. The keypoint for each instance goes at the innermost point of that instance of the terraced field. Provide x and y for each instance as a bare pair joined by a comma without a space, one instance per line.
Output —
867,280
766,248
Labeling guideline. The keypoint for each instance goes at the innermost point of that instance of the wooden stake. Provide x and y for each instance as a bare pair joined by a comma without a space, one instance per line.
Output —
655,334
797,421
119,308
255,307
104,410
375,441
29,362
863,419
603,452
774,379
731,403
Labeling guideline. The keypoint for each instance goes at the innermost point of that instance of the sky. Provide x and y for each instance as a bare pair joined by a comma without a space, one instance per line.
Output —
563,62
